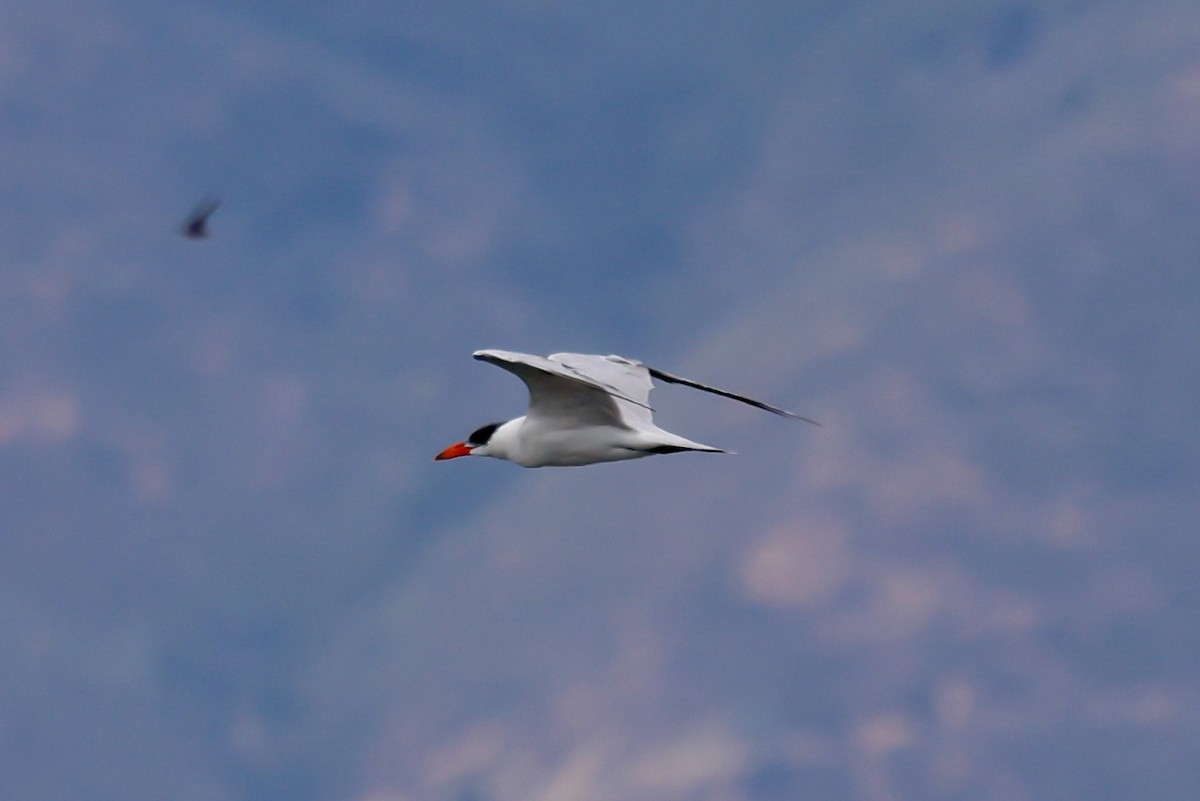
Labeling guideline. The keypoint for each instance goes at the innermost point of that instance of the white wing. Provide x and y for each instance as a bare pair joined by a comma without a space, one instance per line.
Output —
568,395
626,380
581,389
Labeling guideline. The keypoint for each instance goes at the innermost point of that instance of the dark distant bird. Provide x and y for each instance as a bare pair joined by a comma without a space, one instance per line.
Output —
583,410
196,225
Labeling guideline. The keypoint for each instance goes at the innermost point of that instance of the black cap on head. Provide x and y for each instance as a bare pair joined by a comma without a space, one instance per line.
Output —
482,435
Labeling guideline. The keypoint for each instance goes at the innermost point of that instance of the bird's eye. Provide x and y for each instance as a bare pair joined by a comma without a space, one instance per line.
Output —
482,435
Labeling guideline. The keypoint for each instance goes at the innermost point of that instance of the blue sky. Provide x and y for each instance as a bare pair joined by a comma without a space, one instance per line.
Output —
961,235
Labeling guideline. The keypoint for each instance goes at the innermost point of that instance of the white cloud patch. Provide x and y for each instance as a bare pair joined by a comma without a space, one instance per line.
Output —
45,415
700,758
802,563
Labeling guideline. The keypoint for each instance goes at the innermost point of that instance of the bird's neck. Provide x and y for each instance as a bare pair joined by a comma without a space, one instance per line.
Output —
505,442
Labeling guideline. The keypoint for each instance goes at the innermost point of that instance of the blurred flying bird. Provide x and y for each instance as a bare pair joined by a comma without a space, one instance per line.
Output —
584,409
196,225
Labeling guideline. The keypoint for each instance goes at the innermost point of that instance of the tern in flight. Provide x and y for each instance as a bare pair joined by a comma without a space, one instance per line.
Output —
584,409
196,225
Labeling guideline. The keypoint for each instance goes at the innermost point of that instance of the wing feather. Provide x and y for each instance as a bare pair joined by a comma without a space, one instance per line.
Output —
577,389
558,393
687,382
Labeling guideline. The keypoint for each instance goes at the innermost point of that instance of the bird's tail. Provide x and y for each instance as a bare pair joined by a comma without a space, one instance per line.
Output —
683,448
673,443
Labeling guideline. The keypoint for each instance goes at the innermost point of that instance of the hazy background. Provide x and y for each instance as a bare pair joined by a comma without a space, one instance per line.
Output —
964,235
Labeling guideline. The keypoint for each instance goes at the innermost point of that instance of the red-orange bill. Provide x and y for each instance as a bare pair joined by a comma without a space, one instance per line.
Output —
454,451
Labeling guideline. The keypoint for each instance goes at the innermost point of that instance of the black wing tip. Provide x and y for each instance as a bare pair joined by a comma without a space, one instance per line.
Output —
674,379
784,413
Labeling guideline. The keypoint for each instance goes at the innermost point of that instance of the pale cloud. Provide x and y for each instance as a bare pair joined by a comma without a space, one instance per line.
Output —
920,482
799,564
453,210
901,603
954,703
474,750
902,482
700,757
216,349
1150,704
275,434
49,415
881,735
578,779
641,662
